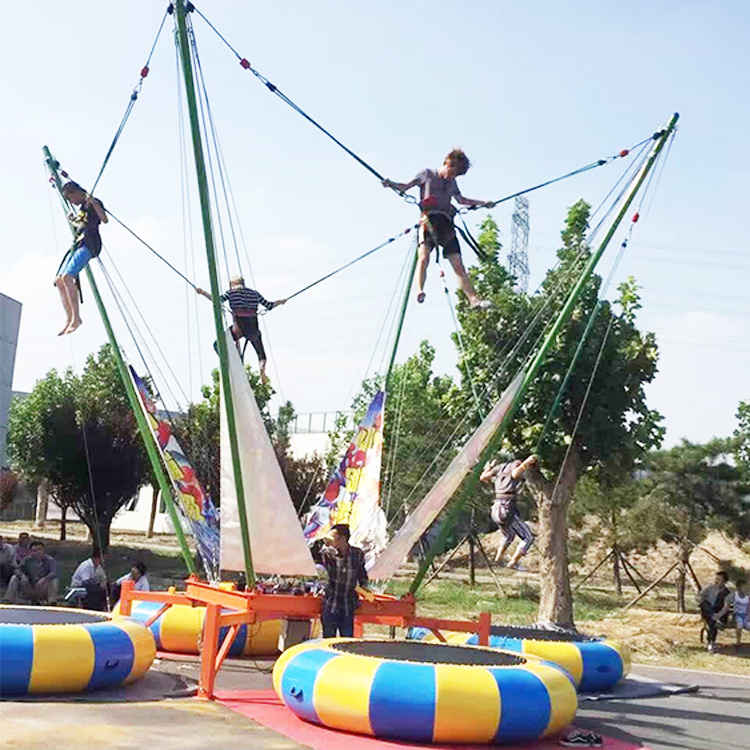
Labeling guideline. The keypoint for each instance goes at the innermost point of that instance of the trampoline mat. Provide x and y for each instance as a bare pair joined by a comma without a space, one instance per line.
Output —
429,653
43,616
539,634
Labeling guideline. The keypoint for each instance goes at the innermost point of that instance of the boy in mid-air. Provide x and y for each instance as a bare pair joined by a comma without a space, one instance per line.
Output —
244,305
506,477
436,190
88,244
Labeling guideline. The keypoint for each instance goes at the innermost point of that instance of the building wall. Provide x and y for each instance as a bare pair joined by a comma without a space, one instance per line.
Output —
10,320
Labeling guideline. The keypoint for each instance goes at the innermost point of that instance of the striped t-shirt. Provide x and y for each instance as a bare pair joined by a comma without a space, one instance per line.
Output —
244,301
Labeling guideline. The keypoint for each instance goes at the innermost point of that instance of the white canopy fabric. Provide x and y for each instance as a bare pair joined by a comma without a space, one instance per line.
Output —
436,499
276,539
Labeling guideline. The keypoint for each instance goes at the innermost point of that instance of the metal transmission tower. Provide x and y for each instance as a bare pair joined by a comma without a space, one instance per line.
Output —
518,257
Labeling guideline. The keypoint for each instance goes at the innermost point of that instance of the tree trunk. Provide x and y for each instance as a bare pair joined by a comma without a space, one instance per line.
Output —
616,555
555,597
155,497
63,522
616,569
42,503
99,532
682,576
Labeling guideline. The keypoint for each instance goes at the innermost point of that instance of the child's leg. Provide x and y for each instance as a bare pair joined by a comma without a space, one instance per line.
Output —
76,321
521,530
257,343
63,290
420,274
463,278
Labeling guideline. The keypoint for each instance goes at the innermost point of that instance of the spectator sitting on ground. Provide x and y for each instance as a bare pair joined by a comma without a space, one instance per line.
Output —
90,575
7,562
35,579
711,601
137,575
23,548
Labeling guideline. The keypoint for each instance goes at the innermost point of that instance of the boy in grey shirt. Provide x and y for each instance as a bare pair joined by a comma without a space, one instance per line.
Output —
506,478
437,188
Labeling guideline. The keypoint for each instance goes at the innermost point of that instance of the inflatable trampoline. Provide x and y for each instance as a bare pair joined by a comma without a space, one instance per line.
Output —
424,692
179,628
58,650
595,664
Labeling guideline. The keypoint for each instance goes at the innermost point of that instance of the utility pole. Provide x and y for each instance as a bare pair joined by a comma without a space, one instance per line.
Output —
518,257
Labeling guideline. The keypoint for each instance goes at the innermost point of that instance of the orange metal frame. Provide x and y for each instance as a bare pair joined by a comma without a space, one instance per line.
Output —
227,608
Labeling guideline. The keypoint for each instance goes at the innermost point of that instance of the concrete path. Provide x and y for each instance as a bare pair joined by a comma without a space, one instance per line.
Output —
715,718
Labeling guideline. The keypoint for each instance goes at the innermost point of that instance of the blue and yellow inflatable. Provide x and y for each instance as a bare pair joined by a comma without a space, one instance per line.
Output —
178,630
596,664
56,650
424,692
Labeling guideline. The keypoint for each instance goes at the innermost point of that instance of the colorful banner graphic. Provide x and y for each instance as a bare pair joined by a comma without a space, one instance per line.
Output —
192,500
353,492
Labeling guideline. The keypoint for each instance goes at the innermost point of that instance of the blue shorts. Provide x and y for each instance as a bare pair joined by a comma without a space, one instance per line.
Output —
742,622
77,261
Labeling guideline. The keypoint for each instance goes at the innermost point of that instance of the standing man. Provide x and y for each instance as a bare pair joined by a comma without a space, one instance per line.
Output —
711,601
345,566
507,477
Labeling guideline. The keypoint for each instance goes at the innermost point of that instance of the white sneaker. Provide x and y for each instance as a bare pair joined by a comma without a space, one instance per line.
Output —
710,648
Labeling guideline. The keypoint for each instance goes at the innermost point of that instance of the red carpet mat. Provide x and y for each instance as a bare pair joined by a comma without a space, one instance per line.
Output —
264,707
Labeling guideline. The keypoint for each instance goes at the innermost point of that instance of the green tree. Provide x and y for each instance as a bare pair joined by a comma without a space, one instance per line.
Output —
602,420
689,490
80,434
742,438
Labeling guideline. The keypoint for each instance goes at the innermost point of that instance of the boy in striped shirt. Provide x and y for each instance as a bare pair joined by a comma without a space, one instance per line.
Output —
244,305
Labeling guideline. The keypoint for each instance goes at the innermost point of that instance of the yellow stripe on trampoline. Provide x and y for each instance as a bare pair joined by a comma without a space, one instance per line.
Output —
567,655
467,704
63,659
562,695
341,695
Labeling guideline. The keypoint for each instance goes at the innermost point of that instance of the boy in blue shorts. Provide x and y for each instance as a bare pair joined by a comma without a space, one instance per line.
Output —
87,245
437,188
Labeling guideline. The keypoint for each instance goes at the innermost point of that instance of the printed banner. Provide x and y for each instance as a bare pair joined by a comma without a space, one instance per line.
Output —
352,495
192,500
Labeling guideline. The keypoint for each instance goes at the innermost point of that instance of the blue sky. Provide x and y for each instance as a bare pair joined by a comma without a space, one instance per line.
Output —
530,90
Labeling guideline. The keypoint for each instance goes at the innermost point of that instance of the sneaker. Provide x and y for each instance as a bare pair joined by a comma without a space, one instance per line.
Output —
711,648
420,297
581,738
481,304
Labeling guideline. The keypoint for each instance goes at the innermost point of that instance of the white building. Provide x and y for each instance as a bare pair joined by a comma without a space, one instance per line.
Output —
10,320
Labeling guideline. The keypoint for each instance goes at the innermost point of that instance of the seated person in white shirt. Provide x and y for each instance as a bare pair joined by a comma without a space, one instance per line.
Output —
90,575
137,575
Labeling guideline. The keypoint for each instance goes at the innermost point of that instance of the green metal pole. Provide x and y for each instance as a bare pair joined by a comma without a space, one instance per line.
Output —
187,70
533,368
402,315
148,439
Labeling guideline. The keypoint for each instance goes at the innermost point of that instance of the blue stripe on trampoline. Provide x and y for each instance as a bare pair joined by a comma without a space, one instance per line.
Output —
16,658
298,682
402,701
499,641
142,612
602,666
238,644
114,654
525,706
